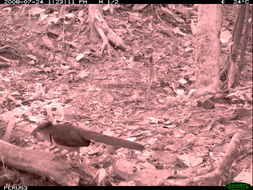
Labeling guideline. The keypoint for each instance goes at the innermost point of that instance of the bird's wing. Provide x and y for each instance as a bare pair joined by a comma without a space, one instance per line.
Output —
68,136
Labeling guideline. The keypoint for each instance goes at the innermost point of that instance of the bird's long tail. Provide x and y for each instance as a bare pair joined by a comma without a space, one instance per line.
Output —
115,141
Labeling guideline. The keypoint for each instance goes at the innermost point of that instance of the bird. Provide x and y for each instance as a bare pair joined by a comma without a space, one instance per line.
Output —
72,138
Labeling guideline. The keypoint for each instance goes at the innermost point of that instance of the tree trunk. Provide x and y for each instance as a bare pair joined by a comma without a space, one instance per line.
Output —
208,49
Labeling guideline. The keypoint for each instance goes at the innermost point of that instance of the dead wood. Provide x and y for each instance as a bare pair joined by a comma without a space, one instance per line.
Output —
99,26
220,173
43,164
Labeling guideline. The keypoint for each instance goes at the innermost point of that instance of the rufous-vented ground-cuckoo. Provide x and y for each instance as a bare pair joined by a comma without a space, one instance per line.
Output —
72,138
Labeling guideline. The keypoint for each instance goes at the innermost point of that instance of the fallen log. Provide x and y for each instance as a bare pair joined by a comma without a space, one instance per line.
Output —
43,164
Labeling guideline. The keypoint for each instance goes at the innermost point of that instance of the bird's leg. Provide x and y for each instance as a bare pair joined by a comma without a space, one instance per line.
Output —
78,157
63,153
77,161
75,158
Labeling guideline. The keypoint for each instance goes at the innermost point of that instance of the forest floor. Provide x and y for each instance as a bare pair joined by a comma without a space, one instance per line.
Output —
56,73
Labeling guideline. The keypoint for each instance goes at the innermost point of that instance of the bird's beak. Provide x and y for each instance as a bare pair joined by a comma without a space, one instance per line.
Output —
34,132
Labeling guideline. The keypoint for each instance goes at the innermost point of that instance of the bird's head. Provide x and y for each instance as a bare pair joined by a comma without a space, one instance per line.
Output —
42,129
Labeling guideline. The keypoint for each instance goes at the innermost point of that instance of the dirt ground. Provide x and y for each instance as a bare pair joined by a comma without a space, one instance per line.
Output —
53,71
